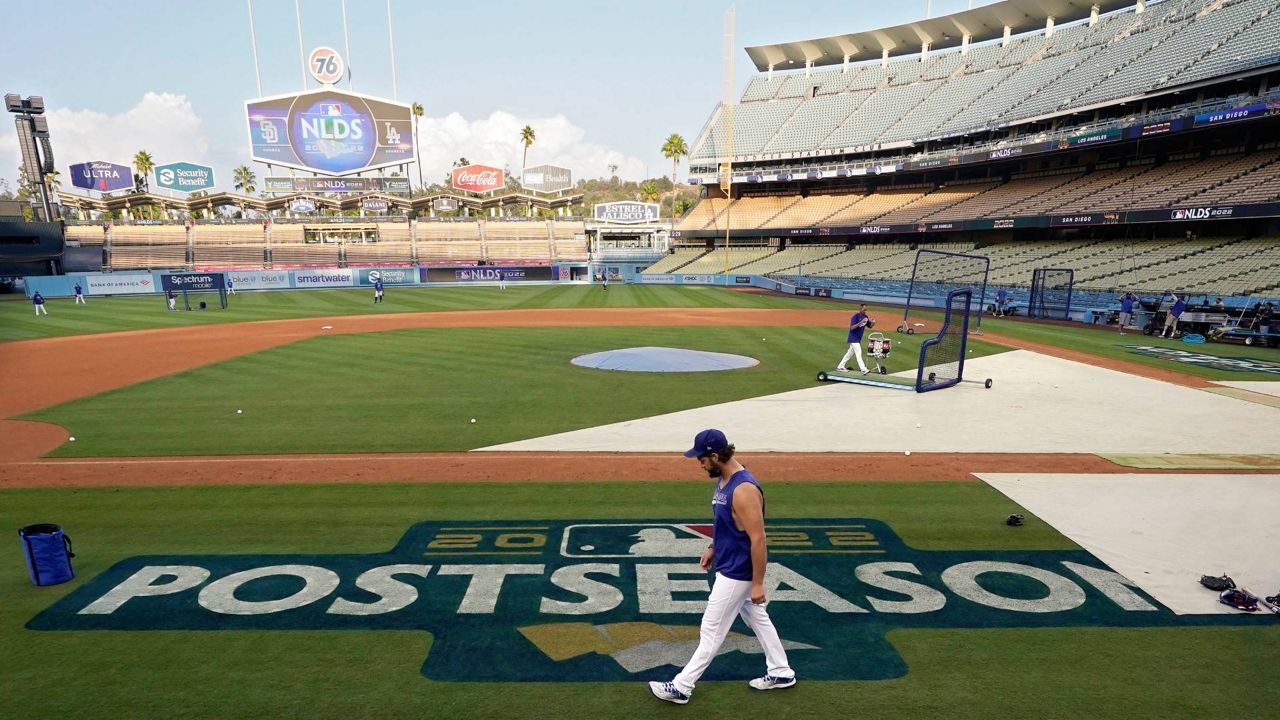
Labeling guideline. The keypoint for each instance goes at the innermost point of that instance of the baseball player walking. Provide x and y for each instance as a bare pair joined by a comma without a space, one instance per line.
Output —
857,323
739,556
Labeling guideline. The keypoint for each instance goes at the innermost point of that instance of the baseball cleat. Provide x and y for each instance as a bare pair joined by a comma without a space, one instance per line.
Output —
842,369
769,682
667,691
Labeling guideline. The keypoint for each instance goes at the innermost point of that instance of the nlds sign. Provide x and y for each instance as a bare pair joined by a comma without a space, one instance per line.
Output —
478,178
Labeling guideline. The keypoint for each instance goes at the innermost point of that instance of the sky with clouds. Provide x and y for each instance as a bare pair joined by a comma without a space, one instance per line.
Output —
602,82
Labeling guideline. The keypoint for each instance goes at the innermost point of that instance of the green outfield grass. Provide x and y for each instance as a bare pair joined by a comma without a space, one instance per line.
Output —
953,673
416,390
18,322
1108,343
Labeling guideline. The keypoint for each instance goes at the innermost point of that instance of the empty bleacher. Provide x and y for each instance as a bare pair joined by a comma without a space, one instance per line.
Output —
139,247
1123,55
229,246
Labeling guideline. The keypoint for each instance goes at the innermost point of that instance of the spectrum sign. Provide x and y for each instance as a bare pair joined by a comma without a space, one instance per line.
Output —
478,178
330,132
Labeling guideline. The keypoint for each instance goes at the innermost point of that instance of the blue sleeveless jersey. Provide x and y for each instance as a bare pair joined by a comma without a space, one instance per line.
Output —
732,546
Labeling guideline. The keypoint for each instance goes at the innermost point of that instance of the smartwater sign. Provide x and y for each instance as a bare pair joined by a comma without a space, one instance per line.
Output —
626,212
101,176
322,278
184,177
610,600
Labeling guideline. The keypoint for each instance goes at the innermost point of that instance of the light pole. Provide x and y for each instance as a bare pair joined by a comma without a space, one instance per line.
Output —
33,141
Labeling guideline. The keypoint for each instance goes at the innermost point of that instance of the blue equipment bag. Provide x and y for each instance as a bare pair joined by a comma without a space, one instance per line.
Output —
48,553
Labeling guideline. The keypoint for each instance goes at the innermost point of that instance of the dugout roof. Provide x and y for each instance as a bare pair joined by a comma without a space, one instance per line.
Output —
947,31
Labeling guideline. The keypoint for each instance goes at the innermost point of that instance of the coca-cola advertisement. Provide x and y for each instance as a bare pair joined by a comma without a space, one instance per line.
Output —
478,178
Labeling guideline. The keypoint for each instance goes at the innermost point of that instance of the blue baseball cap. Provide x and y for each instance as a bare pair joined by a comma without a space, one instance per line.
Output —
707,441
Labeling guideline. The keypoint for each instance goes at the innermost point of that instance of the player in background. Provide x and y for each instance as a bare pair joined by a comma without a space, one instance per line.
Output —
377,291
1171,317
857,324
1002,302
739,555
231,286
80,295
38,300
1127,303
502,280
171,298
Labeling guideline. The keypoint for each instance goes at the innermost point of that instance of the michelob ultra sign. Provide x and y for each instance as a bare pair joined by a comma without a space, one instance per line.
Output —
330,132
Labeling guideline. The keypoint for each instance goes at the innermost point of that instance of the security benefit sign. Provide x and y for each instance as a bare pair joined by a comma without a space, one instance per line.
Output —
607,600
184,177
330,132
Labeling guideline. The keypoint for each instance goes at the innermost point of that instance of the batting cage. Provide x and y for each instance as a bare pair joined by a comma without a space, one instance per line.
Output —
936,274
941,362
1051,293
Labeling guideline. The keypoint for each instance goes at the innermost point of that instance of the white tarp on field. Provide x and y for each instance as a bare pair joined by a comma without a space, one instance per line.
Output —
1039,404
1164,531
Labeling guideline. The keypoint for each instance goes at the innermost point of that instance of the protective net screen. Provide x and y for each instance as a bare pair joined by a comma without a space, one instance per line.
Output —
942,356
937,273
1051,293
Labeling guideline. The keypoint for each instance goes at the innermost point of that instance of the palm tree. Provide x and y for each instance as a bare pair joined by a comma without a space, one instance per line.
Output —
674,148
143,163
649,191
527,137
417,113
244,178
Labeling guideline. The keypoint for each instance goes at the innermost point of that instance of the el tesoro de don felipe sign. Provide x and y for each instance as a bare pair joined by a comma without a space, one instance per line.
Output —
330,132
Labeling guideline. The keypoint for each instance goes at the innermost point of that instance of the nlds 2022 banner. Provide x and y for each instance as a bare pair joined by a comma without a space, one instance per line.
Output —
330,132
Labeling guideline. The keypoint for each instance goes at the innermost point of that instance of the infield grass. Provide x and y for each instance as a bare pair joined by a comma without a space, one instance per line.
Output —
1122,673
18,322
417,390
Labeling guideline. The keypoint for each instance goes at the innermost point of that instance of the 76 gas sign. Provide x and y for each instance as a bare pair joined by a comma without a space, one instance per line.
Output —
326,65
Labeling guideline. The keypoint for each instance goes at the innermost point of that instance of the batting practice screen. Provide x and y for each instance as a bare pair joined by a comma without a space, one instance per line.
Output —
942,356
1051,293
937,273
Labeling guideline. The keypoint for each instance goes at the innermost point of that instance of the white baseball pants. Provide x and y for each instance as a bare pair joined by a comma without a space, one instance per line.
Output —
728,599
40,309
855,351
80,300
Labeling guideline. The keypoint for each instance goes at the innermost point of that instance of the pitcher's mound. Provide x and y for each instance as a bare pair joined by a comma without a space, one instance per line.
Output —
663,359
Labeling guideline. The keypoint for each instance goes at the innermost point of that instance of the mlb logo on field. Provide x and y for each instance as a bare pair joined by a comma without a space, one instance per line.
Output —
629,540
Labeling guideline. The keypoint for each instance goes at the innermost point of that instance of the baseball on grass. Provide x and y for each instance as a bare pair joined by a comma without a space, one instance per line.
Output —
73,438
239,411
473,420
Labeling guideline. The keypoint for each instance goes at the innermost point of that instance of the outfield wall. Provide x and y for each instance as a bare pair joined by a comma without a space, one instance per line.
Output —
152,282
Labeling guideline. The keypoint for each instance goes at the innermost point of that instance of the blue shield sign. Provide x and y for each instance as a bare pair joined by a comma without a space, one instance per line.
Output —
184,177
101,176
